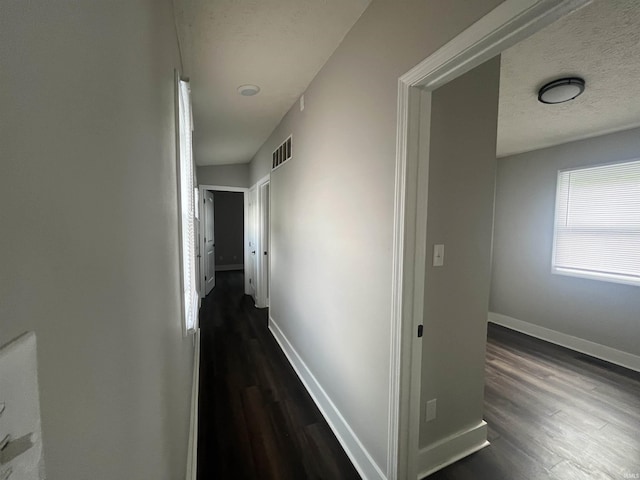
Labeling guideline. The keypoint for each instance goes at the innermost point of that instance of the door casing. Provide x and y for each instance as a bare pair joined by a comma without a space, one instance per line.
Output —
262,238
209,252
224,188
503,27
251,268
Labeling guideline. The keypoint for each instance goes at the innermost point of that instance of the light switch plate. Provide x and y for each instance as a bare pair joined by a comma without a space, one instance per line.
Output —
438,255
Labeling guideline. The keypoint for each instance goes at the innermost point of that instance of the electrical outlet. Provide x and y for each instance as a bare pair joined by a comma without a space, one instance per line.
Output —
302,103
430,411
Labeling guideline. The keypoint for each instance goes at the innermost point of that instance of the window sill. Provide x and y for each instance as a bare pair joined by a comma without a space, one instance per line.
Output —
603,277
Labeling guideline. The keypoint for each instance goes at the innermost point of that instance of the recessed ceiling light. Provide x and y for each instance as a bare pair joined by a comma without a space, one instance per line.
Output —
248,90
561,90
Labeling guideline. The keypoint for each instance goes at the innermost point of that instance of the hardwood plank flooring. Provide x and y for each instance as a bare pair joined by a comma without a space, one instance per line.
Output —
553,414
256,419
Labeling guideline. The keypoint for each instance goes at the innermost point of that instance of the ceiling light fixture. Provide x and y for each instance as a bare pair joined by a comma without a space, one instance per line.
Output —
561,90
248,90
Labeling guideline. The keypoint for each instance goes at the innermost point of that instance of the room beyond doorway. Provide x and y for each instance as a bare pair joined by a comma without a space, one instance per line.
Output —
223,233
229,230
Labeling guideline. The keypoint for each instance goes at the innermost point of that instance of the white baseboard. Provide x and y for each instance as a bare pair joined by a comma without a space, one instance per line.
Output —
362,460
618,357
192,450
451,449
226,268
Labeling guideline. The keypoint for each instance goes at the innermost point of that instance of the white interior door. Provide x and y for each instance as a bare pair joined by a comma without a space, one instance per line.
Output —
198,233
253,244
266,252
263,244
209,243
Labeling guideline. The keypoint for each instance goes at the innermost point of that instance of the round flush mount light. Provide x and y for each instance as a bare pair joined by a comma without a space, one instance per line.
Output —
248,90
561,90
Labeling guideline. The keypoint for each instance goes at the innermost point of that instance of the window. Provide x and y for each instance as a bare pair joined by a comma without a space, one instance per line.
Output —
597,227
190,297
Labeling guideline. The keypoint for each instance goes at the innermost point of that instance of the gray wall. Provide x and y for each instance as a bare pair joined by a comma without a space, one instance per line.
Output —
522,285
229,228
332,206
460,216
224,175
88,252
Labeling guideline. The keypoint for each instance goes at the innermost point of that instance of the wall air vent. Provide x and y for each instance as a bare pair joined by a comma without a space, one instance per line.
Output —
281,154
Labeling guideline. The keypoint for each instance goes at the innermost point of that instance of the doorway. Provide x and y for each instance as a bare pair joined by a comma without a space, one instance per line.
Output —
506,25
223,233
262,238
209,253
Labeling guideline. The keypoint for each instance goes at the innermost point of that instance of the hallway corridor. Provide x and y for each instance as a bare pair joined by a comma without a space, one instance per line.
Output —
256,419
553,414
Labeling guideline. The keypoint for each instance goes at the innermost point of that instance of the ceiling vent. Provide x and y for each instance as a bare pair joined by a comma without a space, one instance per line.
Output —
281,154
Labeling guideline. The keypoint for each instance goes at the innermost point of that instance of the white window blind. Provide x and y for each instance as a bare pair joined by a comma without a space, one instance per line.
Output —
597,227
187,209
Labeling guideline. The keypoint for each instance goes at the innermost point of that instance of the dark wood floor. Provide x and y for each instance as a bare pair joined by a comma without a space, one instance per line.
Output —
256,419
553,414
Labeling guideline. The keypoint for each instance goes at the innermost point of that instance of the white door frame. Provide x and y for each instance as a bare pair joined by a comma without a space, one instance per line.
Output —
503,27
224,188
262,239
252,244
204,255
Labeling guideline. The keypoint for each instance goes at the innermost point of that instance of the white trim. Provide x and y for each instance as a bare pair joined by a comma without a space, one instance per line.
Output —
608,354
451,449
251,281
202,245
507,24
503,27
261,180
262,239
247,251
408,302
224,188
183,317
355,450
193,294
257,227
192,450
598,276
227,268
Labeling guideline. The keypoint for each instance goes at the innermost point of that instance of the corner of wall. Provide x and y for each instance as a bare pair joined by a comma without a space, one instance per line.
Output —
451,449
608,354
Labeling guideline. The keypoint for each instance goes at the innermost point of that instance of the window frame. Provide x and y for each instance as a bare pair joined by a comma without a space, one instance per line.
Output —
189,301
590,275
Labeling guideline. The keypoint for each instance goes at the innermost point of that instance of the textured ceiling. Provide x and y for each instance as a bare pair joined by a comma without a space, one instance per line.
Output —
279,45
601,43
